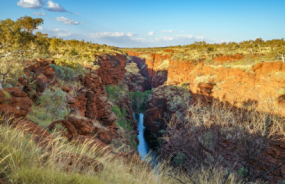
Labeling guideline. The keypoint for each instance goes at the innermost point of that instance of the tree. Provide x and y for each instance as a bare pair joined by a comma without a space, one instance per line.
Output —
15,36
54,43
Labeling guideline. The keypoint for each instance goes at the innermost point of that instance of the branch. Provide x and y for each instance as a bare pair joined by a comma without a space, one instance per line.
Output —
18,51
5,55
264,173
174,177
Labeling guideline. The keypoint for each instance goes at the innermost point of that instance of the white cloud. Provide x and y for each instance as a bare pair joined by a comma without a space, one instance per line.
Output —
66,21
200,37
54,32
175,38
76,13
40,28
40,13
54,7
111,34
150,33
60,32
33,4
167,31
181,31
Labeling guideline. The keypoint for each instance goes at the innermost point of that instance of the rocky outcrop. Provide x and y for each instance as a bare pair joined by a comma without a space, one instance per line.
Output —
81,126
112,68
151,66
38,77
159,78
39,135
260,85
14,102
93,102
179,71
133,78
42,73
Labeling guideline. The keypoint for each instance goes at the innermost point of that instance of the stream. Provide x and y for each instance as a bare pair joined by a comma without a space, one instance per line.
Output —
143,147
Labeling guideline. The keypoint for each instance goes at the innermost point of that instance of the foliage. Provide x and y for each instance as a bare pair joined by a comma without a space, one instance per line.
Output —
54,101
10,71
7,95
242,172
199,132
112,91
23,161
248,52
67,73
139,100
115,93
179,159
17,35
121,115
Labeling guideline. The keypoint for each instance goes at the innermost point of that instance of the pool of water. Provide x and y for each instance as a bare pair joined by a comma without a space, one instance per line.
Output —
143,147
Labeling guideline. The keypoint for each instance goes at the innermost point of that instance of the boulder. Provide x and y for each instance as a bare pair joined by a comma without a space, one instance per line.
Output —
15,102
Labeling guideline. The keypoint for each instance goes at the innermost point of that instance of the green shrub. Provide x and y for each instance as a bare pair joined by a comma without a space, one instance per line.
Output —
139,100
179,159
7,95
55,103
67,73
11,70
117,111
120,115
242,172
112,91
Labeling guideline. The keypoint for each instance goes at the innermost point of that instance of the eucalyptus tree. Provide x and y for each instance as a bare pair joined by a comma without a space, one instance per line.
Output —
16,36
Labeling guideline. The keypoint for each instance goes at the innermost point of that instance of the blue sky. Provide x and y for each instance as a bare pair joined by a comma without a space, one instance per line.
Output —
152,23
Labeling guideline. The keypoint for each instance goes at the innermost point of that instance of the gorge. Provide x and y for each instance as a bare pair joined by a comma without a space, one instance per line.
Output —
192,111
237,90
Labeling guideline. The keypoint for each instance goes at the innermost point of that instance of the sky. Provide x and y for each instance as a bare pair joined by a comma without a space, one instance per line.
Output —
153,23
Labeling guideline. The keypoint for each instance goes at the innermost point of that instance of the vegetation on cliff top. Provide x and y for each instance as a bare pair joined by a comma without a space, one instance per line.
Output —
225,54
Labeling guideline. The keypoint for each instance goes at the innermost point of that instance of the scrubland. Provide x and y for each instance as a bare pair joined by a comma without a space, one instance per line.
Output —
205,143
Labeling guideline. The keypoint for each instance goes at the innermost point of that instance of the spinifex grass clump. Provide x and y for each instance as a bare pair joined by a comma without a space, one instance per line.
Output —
23,161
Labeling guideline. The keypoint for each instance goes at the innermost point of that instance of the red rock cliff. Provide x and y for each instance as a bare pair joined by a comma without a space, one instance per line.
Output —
150,66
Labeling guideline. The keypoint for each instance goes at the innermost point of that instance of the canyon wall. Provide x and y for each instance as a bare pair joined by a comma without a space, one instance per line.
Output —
153,67
261,85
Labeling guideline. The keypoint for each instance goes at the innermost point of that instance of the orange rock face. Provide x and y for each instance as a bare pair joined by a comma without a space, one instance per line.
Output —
41,74
112,69
40,136
150,67
222,59
133,79
15,102
262,86
92,102
81,126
